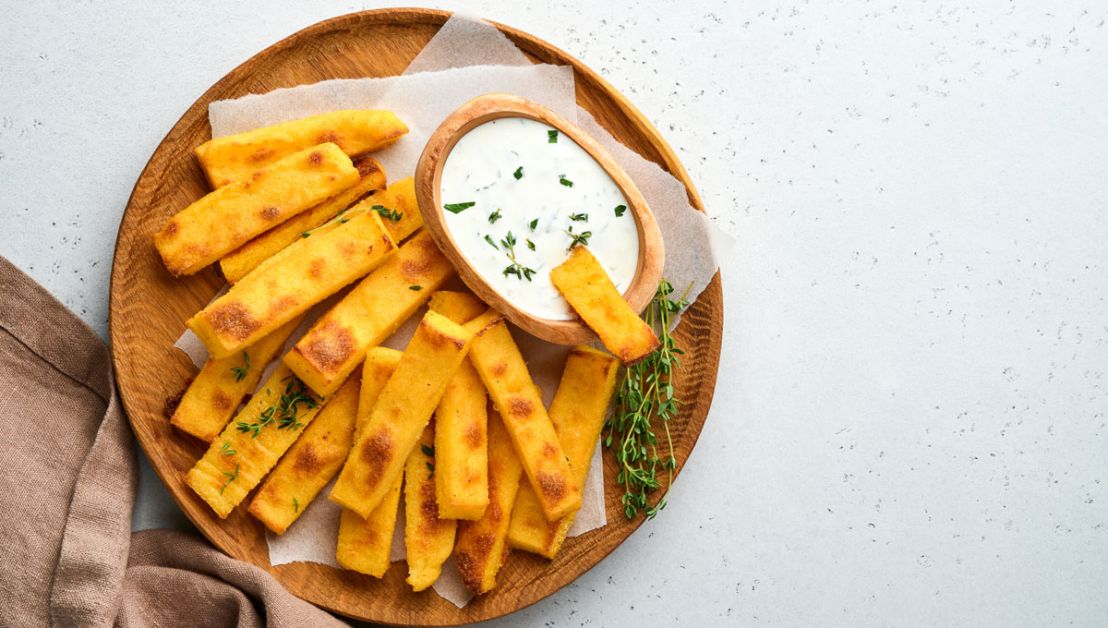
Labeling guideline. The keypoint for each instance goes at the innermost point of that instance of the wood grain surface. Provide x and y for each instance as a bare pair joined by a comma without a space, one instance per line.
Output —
148,308
428,177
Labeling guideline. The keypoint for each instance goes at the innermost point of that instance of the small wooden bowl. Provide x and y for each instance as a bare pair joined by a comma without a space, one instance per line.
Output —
428,177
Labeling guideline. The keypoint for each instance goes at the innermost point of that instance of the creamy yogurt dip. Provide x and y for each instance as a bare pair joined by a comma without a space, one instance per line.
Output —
516,194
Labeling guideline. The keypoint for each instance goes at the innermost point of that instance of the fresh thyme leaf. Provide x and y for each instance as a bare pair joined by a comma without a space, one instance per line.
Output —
552,136
577,238
620,209
226,450
579,217
564,181
457,208
534,223
295,505
493,217
415,288
645,399
520,271
240,371
305,234
385,212
430,470
530,244
518,174
427,450
284,412
231,477
488,239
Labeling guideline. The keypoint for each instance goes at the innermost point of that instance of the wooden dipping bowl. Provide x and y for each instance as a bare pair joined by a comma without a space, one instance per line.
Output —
428,176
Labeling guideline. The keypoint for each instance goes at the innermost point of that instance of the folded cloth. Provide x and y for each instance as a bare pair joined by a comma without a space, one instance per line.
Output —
67,481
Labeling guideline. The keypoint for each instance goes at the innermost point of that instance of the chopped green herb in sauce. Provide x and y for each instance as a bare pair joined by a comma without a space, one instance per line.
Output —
457,208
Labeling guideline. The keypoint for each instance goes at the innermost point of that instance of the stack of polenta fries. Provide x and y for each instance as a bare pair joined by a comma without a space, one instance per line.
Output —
299,212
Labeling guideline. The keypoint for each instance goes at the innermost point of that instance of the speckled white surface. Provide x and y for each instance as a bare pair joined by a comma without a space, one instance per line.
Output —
909,427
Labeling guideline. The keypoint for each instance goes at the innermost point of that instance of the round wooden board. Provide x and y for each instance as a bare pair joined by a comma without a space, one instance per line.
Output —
149,307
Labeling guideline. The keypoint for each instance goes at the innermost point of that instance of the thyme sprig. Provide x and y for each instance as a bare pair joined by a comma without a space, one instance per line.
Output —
284,412
241,371
231,477
645,399
515,268
577,238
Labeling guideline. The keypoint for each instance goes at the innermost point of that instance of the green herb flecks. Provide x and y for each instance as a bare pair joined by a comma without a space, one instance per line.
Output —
645,399
430,470
226,449
552,136
515,268
385,212
284,412
534,223
530,244
241,371
488,238
577,238
620,210
295,505
231,477
427,450
518,174
579,217
305,234
457,208
564,181
493,217
415,288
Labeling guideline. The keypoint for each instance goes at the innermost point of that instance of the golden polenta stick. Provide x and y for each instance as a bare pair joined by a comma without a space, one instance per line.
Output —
590,292
247,257
460,307
310,463
229,217
380,362
302,275
364,545
461,448
482,545
253,441
221,384
238,157
499,363
368,314
398,207
427,538
401,412
578,413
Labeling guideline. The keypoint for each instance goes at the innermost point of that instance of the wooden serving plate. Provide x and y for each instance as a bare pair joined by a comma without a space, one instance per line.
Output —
428,180
148,308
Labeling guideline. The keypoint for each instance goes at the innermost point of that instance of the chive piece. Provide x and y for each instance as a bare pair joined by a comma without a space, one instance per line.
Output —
620,209
457,208
493,217
415,288
564,181
385,212
552,137
518,174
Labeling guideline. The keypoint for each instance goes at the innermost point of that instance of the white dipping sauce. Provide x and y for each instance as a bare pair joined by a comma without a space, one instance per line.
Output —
514,175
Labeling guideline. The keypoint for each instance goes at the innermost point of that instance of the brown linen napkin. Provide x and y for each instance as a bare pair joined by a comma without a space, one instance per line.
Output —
67,482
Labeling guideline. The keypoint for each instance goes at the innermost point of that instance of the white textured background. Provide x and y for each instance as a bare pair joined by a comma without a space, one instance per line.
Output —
909,426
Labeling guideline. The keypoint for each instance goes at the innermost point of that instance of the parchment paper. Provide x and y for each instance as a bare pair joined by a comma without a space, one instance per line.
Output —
466,59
